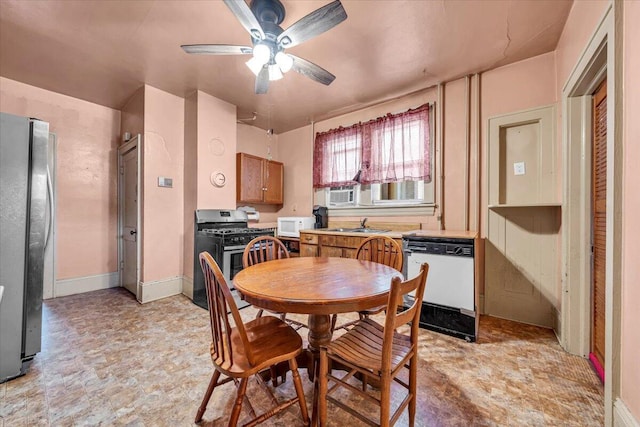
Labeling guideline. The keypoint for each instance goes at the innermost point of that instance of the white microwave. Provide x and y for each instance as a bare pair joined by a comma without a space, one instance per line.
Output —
290,226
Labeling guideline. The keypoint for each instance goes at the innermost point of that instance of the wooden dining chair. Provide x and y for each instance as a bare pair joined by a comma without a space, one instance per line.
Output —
380,249
377,352
245,349
263,249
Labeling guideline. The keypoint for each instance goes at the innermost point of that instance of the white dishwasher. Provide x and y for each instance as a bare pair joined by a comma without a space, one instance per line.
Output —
448,305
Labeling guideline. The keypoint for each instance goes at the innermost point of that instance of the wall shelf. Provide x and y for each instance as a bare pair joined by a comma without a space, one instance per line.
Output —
526,205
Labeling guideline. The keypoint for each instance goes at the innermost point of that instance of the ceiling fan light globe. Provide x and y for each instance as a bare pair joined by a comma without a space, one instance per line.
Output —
284,61
255,65
274,72
261,53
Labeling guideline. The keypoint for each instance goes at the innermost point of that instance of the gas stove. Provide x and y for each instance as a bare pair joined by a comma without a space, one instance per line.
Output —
224,234
236,236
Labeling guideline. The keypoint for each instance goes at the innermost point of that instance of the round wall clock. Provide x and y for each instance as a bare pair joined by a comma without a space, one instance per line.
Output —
218,179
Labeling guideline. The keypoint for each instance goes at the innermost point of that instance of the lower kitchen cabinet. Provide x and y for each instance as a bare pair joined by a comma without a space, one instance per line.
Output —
330,245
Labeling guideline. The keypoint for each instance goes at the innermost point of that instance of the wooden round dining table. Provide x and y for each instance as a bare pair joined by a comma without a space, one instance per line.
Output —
318,287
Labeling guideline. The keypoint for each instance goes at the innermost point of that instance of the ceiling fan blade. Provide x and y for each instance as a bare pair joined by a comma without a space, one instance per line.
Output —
315,23
246,17
262,81
216,49
311,70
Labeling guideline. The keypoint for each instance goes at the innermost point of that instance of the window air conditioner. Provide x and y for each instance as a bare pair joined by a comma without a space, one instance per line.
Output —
341,197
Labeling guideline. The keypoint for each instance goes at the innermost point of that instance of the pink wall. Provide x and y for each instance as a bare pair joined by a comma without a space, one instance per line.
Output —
296,153
455,125
162,207
216,151
87,212
630,381
190,178
133,114
579,28
210,145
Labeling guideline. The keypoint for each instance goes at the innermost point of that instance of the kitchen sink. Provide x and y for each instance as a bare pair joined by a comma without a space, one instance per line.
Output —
357,230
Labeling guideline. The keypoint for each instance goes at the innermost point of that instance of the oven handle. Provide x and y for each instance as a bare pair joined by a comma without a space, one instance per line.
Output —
233,248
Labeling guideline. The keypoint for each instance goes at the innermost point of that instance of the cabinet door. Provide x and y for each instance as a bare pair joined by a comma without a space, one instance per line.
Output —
349,253
308,250
331,251
273,180
249,170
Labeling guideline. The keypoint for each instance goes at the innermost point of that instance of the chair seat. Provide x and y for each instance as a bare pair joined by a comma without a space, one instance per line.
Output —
362,346
271,340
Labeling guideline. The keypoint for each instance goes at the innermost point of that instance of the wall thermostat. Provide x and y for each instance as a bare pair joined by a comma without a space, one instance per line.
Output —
218,179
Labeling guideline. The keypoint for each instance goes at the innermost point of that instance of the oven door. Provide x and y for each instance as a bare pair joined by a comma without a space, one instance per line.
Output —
232,262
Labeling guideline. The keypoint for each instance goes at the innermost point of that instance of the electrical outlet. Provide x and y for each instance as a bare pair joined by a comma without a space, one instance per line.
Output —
518,168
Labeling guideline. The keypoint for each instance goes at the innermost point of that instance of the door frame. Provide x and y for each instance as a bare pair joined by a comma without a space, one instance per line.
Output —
599,59
134,143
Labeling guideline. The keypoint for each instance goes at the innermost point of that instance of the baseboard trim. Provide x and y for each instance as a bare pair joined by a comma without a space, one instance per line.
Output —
151,291
187,287
622,417
79,285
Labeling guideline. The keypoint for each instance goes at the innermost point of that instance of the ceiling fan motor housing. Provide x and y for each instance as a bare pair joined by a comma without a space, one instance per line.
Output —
268,11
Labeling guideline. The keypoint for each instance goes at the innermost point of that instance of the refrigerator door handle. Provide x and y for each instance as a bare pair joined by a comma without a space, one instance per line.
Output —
50,203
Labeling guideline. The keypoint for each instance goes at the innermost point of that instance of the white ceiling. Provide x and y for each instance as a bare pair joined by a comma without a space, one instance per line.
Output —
104,50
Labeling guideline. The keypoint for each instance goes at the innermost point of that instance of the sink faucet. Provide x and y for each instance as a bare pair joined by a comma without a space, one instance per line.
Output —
363,222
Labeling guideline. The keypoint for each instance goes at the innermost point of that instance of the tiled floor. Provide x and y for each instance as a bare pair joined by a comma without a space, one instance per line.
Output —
107,360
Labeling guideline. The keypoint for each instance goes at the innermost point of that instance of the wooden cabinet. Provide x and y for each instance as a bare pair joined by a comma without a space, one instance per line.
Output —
259,180
330,245
308,244
339,245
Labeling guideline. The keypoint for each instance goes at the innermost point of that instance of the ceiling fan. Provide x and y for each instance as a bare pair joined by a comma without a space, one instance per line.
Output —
262,20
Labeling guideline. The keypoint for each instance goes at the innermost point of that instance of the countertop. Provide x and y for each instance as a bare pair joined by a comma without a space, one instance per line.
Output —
460,234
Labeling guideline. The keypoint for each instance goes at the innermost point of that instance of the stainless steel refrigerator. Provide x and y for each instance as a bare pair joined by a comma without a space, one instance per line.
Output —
26,204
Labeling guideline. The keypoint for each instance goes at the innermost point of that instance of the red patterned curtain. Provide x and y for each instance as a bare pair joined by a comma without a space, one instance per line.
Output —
337,156
392,148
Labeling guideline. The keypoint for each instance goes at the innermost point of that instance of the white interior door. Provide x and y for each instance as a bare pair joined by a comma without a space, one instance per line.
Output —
129,216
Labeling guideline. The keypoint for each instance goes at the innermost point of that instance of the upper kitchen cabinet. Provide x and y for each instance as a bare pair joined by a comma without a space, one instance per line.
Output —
259,180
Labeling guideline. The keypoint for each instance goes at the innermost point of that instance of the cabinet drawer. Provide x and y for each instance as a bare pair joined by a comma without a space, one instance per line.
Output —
311,239
341,241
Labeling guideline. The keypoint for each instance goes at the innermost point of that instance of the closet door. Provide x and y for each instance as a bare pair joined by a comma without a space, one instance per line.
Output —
599,223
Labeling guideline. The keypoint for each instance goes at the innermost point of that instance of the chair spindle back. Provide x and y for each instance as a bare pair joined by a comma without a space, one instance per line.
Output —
221,304
262,249
395,319
381,249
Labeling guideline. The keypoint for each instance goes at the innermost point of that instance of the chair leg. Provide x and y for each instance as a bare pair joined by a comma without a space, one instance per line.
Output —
385,400
334,318
297,382
322,388
235,414
259,314
274,375
207,395
413,383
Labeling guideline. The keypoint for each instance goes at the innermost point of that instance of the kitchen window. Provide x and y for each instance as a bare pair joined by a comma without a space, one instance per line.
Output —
382,167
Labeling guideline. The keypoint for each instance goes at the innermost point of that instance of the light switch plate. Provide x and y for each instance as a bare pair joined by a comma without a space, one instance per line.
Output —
518,168
165,182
